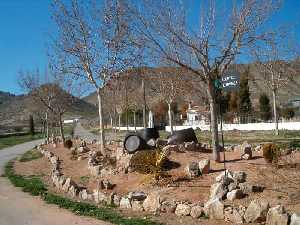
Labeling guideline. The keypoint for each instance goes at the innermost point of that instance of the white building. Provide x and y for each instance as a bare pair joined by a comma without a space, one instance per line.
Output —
196,115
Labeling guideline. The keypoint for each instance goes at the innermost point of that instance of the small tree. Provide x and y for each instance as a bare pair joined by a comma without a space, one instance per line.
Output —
31,125
265,107
245,106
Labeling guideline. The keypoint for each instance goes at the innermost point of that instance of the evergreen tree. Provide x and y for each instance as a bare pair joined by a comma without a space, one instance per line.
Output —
245,106
31,125
265,107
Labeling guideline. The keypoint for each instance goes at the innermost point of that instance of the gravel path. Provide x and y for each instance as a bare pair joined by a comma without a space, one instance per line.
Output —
19,208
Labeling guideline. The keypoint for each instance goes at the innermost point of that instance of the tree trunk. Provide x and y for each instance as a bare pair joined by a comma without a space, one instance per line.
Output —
134,120
47,127
61,129
101,132
144,104
275,111
214,120
119,121
170,118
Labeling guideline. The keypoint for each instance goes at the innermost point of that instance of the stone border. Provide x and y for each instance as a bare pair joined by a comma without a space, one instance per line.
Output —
257,211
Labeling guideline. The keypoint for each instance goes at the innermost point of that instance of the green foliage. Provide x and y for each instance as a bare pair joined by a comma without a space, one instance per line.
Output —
30,155
265,107
287,113
271,153
32,185
245,106
31,125
35,186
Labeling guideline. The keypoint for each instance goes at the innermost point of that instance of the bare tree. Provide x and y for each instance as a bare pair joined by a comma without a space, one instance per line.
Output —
49,95
168,85
272,59
92,44
207,50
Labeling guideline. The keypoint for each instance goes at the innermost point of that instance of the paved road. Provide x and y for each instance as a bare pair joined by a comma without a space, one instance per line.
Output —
19,208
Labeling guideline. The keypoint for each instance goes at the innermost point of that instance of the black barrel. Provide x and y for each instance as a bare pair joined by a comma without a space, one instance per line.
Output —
149,133
133,142
181,136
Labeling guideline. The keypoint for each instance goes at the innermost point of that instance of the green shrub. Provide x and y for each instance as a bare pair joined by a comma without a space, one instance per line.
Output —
30,155
271,153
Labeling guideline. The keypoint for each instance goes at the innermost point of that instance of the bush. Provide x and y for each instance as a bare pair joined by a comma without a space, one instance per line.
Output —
148,161
68,144
271,153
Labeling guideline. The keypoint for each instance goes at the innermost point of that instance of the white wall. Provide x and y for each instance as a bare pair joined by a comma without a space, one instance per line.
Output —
130,128
246,127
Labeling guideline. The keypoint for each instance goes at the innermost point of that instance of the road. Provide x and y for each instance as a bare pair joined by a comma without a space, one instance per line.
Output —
19,208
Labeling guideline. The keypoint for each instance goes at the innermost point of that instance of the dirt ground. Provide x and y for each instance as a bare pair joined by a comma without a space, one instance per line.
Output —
282,183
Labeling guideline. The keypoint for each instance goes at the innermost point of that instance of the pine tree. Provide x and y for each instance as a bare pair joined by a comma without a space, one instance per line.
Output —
265,107
31,125
245,106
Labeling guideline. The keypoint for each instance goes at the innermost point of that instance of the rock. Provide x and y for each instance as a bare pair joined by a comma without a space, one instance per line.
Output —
183,210
239,177
235,194
67,184
232,186
249,188
99,196
214,208
137,196
72,191
234,216
196,211
95,170
152,203
246,151
190,146
221,178
116,200
192,170
256,211
120,152
137,206
83,194
204,166
151,142
277,216
83,149
105,184
217,191
168,206
171,148
61,182
110,198
257,148
123,163
125,203
295,219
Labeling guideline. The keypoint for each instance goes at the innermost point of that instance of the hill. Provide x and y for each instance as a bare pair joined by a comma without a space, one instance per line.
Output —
15,111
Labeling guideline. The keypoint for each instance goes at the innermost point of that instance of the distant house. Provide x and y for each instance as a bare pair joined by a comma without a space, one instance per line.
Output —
196,115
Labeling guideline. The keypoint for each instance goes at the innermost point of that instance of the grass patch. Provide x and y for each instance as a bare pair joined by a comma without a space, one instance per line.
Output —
14,140
30,155
35,186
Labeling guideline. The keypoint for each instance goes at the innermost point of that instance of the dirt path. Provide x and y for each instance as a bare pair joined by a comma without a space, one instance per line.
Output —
19,208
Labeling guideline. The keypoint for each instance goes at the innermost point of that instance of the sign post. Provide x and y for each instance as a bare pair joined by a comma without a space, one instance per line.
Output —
229,82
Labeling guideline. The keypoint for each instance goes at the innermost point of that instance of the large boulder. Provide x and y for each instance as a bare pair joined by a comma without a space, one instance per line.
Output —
137,206
192,170
183,210
197,211
204,166
137,195
225,177
218,191
277,216
239,177
125,203
295,219
235,194
234,215
214,209
152,203
168,206
257,211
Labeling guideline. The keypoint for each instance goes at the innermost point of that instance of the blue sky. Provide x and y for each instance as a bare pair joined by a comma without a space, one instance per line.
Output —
25,26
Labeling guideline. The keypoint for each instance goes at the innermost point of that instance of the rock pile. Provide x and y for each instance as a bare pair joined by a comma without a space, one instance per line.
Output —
195,169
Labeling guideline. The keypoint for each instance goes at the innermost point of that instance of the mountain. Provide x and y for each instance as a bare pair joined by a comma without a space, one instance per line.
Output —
15,111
